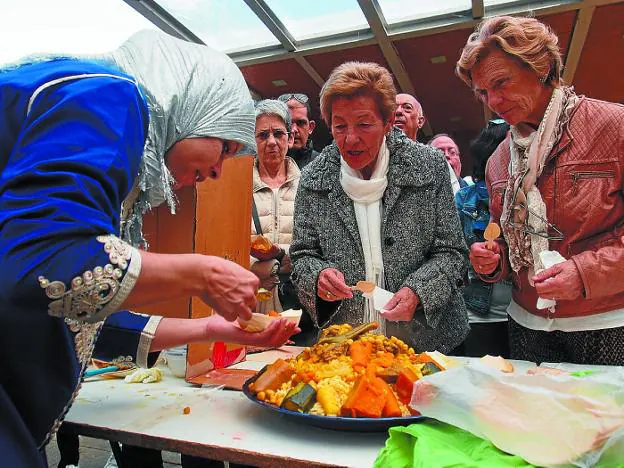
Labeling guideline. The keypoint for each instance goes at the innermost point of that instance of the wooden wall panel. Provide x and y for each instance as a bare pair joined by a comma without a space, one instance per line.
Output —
599,72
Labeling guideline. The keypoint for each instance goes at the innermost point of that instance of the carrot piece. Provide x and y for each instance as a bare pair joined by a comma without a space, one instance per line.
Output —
405,384
360,354
391,409
274,376
367,399
347,407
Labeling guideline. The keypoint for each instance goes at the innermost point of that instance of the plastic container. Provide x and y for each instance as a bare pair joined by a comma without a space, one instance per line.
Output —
176,360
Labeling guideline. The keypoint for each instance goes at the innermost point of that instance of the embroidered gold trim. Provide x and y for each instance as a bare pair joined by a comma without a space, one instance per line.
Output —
145,341
90,293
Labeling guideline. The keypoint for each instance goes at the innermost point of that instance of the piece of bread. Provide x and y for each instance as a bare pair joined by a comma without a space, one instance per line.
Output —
498,362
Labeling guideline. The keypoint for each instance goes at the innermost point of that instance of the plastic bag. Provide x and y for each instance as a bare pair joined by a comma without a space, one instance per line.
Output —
547,420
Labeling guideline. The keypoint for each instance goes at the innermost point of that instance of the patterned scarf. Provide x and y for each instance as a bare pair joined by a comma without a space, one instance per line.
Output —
524,211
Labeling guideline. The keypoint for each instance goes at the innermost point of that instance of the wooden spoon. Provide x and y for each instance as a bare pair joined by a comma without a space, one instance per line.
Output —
492,231
364,286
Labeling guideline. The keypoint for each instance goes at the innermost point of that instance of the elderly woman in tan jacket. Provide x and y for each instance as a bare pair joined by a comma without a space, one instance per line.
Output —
275,182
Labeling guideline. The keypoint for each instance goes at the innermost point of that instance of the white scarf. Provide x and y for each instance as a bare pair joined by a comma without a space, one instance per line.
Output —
366,196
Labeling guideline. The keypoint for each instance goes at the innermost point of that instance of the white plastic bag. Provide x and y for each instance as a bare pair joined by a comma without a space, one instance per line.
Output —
547,420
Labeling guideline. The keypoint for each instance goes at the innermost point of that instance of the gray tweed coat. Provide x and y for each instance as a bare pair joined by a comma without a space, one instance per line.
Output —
422,243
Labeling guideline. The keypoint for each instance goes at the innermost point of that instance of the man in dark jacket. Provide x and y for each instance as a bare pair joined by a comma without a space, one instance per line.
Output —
302,150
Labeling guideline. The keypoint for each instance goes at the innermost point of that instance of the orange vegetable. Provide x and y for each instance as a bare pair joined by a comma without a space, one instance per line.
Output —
360,353
273,377
405,384
385,360
391,409
186,410
367,398
273,313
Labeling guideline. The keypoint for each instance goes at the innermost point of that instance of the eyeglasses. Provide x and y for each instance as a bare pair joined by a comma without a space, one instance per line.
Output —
519,216
299,97
277,134
494,122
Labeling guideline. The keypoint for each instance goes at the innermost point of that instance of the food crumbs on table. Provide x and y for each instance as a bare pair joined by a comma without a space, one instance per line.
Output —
186,410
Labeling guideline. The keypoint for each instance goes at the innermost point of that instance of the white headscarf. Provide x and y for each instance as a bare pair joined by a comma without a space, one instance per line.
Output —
192,91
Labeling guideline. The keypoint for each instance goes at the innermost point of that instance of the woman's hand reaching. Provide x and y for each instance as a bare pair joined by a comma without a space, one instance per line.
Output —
275,335
175,332
402,306
331,286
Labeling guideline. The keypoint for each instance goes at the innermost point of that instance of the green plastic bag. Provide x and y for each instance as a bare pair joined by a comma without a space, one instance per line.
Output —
433,444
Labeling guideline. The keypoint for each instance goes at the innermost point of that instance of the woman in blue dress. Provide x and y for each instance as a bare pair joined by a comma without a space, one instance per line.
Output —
86,148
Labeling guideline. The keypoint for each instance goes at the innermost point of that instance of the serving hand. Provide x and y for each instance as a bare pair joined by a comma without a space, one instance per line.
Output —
276,334
228,288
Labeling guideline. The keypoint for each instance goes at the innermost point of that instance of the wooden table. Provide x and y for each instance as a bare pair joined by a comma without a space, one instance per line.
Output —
222,424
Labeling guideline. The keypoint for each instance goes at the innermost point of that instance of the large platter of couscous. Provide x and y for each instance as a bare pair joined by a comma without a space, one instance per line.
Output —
351,379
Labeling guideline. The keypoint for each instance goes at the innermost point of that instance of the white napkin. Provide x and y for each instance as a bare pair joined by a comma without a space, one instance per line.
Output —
549,258
380,298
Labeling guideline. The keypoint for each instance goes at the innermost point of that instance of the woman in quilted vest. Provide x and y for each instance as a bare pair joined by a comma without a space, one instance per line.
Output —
275,182
556,188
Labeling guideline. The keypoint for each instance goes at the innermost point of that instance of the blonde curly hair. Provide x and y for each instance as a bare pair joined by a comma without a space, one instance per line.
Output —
527,40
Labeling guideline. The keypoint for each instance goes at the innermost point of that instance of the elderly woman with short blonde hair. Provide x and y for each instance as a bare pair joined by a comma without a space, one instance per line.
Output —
556,184
377,206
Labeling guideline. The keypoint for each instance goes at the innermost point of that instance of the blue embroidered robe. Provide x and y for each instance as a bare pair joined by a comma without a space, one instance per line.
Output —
68,158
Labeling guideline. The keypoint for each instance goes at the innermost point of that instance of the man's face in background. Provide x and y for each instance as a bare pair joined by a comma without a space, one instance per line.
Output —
302,126
451,152
408,115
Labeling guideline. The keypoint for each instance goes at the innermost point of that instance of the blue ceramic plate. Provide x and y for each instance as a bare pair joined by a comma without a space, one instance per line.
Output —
334,422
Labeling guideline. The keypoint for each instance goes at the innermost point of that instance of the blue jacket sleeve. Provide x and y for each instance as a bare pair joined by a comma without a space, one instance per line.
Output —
127,335
74,161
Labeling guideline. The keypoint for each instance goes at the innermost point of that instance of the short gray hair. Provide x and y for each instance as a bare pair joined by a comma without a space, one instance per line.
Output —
277,108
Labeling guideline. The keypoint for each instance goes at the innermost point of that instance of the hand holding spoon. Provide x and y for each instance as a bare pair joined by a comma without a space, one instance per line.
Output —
492,231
